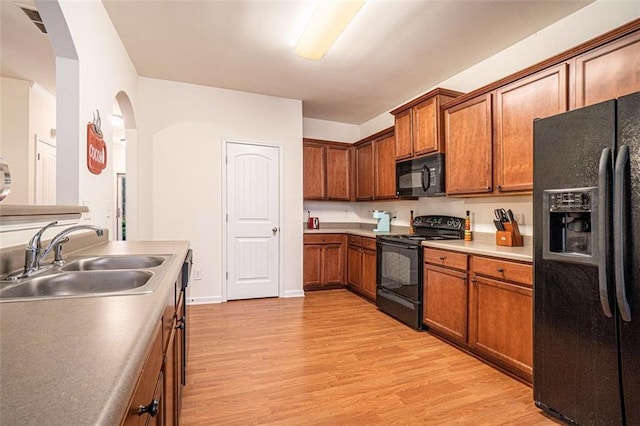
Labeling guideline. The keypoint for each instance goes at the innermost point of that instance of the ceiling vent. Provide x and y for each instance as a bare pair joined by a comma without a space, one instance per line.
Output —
35,17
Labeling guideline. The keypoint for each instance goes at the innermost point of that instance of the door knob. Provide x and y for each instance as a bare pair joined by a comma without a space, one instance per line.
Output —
275,229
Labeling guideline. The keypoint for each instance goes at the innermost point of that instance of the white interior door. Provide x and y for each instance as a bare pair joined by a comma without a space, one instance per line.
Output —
252,221
45,172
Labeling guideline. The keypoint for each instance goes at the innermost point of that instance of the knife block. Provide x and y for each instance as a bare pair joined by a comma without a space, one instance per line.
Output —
511,236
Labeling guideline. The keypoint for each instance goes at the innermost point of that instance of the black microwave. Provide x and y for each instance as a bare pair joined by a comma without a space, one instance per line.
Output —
421,177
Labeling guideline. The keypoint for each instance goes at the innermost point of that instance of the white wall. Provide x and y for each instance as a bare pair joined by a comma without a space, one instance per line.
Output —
330,130
181,131
14,136
587,23
91,82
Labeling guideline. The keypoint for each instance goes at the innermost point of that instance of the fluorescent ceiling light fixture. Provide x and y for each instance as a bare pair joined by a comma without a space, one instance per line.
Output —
329,20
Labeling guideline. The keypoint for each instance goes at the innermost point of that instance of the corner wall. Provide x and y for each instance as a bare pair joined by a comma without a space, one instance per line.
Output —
181,131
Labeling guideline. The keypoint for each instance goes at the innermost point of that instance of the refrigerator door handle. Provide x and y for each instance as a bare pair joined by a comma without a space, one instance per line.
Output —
620,229
604,220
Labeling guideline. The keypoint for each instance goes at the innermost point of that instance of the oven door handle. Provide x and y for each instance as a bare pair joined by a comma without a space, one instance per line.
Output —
402,246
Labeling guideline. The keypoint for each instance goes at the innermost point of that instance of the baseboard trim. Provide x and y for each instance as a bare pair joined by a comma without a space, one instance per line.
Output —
293,293
203,300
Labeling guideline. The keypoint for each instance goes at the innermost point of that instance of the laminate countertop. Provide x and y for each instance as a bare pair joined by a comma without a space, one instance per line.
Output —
483,243
75,361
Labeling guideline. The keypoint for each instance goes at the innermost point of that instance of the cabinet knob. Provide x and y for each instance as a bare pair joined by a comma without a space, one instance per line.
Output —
180,324
499,187
443,257
500,269
152,408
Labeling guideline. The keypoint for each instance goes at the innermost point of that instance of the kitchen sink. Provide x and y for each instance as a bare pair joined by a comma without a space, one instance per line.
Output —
86,283
104,263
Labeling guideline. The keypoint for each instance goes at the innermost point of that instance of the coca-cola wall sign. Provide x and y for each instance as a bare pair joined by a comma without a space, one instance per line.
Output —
96,147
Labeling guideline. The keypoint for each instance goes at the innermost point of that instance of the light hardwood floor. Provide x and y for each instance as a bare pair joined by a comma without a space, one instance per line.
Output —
333,358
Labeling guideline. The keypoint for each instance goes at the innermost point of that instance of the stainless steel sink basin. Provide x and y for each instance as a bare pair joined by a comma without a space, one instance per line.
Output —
104,263
79,284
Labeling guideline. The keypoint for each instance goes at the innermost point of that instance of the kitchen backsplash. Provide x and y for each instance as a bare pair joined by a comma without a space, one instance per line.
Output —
481,210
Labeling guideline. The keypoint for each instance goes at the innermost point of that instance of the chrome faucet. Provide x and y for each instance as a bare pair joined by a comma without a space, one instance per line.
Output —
33,256
57,242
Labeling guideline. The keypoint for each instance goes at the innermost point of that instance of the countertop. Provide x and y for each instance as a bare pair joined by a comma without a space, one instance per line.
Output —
482,244
75,361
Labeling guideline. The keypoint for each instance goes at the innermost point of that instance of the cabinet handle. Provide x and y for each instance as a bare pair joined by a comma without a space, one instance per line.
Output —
152,408
499,187
500,269
473,279
443,257
180,324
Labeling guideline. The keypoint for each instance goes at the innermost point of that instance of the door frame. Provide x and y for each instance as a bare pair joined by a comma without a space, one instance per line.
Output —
223,214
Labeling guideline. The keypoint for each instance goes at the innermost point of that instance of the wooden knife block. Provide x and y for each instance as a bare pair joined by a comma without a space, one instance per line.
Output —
511,236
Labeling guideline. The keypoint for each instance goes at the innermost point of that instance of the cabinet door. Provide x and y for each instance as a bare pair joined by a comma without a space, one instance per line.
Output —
338,173
312,256
404,145
608,72
169,372
501,324
364,171
425,127
181,325
354,265
468,140
333,264
541,95
314,178
385,168
369,274
445,302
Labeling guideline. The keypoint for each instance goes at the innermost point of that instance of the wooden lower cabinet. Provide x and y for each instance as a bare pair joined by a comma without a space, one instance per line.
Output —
500,326
368,274
445,290
354,262
323,258
483,304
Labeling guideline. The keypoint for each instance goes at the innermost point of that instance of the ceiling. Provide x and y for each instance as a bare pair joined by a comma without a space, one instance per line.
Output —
391,52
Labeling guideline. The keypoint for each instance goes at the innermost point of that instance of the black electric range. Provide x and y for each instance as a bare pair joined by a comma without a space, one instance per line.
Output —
399,266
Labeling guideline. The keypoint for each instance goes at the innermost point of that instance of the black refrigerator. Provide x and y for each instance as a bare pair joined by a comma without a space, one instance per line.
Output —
586,365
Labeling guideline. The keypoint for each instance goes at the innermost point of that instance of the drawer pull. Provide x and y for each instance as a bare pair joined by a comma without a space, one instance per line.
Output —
500,269
152,408
443,257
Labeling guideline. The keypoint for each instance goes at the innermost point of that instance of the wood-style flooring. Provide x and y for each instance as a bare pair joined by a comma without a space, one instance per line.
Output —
332,358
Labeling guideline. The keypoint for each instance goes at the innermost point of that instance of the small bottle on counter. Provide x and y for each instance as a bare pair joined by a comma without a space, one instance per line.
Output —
412,230
468,236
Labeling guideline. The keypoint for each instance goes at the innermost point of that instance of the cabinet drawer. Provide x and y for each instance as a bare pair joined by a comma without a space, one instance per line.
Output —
354,240
369,244
446,258
502,269
323,239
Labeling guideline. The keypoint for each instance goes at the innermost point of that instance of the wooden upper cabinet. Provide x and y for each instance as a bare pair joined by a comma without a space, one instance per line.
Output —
404,146
364,171
468,137
327,170
385,168
338,172
418,129
314,166
608,72
538,96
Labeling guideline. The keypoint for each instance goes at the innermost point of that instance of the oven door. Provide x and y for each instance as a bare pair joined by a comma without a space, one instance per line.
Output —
398,269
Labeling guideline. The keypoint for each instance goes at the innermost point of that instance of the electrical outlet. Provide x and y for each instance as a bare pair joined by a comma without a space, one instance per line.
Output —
197,274
519,217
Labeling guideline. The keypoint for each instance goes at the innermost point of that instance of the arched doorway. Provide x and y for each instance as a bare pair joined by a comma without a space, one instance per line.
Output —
124,168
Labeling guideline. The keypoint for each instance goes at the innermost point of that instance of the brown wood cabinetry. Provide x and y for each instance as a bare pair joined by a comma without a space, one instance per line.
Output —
538,96
361,271
376,167
445,294
327,170
608,72
501,313
418,128
489,132
146,406
364,171
469,145
323,261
